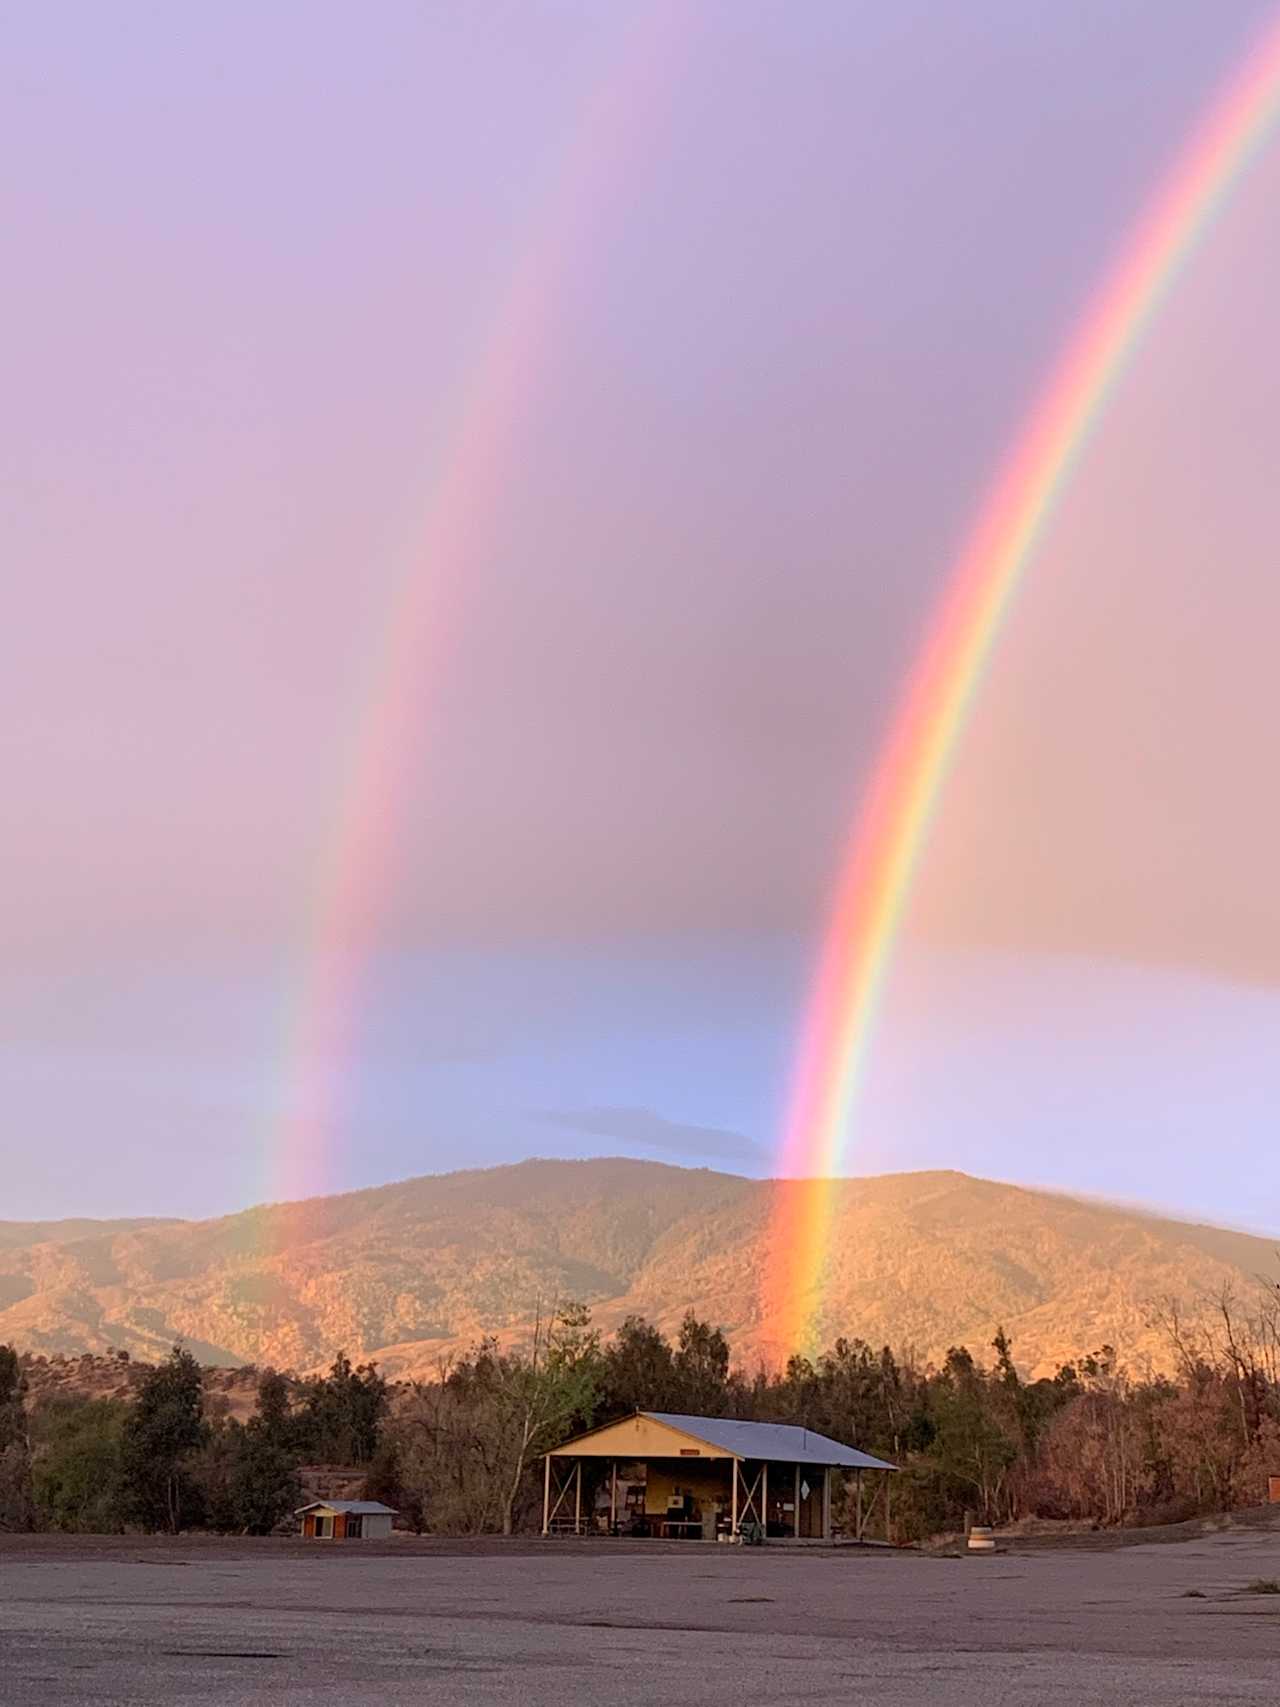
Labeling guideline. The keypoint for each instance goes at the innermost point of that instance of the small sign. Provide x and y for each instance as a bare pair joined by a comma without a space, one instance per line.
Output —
804,1490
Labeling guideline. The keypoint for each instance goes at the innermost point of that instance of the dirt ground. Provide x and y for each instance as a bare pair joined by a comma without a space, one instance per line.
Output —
202,1620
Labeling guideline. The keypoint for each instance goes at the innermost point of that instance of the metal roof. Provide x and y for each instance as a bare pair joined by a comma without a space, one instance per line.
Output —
353,1508
783,1442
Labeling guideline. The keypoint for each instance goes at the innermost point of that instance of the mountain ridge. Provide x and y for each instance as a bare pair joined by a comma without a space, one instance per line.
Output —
414,1270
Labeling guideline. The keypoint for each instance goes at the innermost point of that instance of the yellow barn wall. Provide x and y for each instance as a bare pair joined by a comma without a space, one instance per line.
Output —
638,1437
706,1482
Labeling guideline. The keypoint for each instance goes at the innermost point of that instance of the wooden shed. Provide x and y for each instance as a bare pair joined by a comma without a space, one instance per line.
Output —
698,1478
345,1520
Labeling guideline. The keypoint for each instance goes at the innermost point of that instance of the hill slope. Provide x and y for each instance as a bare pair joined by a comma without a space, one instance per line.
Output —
404,1272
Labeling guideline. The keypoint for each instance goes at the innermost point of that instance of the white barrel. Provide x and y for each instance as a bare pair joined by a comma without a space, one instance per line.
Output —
981,1540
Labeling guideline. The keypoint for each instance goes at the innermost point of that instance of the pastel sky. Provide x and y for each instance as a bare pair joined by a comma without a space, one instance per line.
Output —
662,352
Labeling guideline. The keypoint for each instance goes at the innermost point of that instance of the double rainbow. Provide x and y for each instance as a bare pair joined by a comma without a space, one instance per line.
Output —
893,823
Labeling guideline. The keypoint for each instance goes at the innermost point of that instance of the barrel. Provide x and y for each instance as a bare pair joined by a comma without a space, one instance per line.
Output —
981,1540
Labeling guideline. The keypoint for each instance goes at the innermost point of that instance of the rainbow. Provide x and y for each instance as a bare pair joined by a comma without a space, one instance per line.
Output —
890,832
341,907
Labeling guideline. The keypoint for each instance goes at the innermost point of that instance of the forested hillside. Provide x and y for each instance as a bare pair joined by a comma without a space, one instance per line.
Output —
406,1272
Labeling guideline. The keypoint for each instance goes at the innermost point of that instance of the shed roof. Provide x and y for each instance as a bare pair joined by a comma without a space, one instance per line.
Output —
658,1434
352,1508
783,1442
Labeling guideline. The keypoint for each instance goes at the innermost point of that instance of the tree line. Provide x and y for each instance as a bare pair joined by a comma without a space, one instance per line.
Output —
458,1452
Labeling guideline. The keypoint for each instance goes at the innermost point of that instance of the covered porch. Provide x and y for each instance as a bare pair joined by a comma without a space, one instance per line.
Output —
698,1478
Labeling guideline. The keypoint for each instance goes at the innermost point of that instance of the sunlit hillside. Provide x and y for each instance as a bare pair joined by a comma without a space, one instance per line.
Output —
407,1272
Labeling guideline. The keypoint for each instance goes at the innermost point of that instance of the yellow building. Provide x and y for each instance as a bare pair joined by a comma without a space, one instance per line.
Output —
698,1478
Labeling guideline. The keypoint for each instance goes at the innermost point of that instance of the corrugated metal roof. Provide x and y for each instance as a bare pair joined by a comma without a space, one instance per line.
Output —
783,1442
353,1508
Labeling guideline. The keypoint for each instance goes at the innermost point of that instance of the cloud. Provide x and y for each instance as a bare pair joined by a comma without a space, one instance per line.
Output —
641,1126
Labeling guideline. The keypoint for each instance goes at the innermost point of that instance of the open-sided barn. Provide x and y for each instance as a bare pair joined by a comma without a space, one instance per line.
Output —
705,1478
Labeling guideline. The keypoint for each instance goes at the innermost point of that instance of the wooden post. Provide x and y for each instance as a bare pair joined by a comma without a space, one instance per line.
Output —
764,1500
857,1531
613,1498
888,1494
826,1502
546,1494
733,1521
577,1501
796,1525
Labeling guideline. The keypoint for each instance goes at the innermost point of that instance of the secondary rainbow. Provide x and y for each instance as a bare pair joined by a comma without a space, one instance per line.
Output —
893,821
388,721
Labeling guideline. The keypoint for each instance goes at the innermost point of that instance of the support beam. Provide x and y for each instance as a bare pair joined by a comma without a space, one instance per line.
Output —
796,1508
577,1501
546,1494
751,1505
560,1484
613,1498
857,1531
733,1522
826,1502
764,1500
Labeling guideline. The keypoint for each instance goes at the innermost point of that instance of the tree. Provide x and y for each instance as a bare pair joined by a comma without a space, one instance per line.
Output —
852,1393
77,1469
446,1452
546,1393
530,1399
263,1483
13,1390
273,1414
342,1412
15,1446
638,1372
975,1444
1004,1359
164,1428
701,1367
1092,1459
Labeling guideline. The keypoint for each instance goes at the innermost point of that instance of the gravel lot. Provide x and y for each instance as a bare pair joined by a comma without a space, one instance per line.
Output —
628,1623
